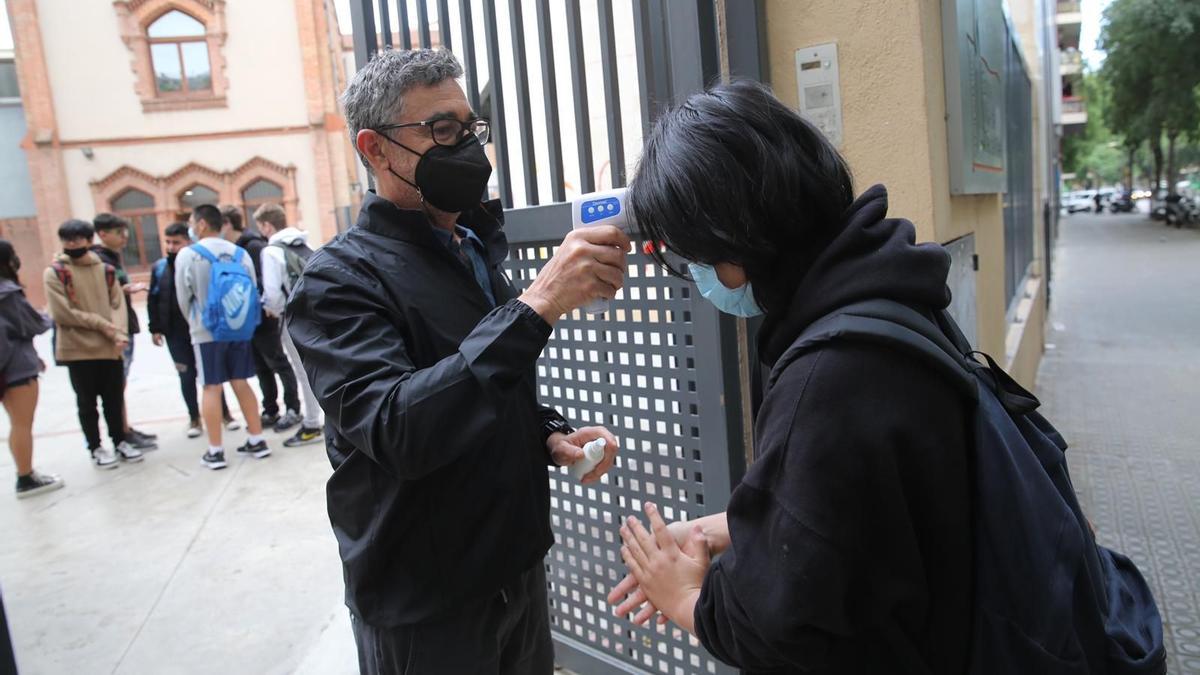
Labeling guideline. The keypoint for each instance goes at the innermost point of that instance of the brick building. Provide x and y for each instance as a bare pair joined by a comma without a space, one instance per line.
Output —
149,107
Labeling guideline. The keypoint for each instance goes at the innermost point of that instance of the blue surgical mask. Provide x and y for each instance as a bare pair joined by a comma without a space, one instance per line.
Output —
736,301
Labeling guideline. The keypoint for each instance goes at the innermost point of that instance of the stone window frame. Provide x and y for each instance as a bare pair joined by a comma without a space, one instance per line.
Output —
135,17
228,184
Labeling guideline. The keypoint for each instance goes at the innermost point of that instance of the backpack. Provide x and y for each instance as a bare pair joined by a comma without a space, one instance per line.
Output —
1048,599
296,255
63,272
231,308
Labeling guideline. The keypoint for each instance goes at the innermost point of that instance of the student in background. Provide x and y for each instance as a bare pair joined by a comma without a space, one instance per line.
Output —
88,305
19,369
168,325
282,262
218,362
113,232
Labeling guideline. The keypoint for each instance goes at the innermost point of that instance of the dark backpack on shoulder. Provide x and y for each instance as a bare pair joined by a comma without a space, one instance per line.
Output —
295,256
1048,599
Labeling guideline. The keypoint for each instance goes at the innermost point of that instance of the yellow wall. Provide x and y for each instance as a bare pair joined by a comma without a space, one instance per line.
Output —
895,131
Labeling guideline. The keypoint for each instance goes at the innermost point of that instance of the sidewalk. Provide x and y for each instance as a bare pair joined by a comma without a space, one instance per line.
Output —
1121,380
166,566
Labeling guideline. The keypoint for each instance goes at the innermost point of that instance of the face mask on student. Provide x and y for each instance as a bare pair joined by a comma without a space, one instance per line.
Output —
76,253
736,301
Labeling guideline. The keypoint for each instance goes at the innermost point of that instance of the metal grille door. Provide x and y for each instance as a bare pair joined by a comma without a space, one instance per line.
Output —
640,370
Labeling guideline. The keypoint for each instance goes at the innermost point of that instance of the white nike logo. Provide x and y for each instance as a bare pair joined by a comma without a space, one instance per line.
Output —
236,299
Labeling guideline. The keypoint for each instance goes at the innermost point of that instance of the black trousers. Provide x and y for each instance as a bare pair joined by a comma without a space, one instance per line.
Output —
269,361
105,380
184,356
507,634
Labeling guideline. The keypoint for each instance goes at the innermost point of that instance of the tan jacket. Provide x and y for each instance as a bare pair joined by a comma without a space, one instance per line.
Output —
93,308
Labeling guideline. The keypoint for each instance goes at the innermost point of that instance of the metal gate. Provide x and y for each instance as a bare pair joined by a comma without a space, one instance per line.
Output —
661,369
1020,211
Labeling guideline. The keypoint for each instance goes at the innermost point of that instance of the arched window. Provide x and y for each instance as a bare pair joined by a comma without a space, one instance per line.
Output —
138,208
179,54
194,196
261,191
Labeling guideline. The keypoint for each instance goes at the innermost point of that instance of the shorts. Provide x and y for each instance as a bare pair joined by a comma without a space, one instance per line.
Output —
220,362
15,383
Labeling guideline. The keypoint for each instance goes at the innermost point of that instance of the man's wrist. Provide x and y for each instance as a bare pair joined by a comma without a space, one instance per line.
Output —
544,308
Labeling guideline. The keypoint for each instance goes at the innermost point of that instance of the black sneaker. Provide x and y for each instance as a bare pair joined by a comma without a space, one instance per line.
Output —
139,442
270,419
36,483
305,436
257,450
143,434
214,460
289,420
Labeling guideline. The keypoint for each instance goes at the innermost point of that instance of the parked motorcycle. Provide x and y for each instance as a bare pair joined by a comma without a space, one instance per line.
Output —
1181,211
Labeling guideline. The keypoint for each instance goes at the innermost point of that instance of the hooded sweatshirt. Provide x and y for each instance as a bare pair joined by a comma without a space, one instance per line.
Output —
850,532
84,313
19,324
276,284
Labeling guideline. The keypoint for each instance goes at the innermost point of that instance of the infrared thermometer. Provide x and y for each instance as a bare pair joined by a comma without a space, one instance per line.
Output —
602,208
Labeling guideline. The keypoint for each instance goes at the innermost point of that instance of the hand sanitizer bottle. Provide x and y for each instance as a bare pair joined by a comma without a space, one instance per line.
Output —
592,454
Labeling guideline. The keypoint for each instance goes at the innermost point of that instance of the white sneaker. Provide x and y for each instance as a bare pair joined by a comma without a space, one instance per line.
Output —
105,458
129,453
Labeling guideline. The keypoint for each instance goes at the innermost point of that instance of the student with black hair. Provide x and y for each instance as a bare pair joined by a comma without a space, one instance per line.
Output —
88,306
19,370
846,548
168,325
219,362
113,232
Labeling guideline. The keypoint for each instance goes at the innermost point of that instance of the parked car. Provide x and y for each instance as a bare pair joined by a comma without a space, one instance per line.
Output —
1082,200
1158,204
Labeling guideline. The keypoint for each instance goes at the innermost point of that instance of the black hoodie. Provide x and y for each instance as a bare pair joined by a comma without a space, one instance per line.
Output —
850,532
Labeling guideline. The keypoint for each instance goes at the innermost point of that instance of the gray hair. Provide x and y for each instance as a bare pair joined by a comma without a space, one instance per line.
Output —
375,96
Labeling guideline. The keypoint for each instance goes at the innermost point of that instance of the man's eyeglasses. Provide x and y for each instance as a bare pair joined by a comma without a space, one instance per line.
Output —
449,131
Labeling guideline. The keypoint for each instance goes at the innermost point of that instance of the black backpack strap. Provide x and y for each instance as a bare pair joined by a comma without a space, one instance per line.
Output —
886,322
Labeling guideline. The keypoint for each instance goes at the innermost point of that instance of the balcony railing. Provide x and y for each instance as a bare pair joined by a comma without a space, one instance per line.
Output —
1073,104
1071,58
1068,6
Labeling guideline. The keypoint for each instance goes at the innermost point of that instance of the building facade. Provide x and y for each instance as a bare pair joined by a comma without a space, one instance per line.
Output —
1069,20
147,108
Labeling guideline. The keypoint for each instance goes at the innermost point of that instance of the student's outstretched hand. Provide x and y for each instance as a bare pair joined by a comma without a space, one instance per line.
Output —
668,576
632,598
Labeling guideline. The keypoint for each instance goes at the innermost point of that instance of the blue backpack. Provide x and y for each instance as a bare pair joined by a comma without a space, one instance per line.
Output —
231,310
1048,599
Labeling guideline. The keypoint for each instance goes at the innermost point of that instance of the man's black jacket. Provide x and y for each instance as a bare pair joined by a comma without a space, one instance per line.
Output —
440,491
254,243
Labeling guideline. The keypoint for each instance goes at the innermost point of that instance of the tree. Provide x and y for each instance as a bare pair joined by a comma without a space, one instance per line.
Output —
1152,69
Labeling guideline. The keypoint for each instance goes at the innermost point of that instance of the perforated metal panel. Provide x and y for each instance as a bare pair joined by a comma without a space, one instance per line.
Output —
639,370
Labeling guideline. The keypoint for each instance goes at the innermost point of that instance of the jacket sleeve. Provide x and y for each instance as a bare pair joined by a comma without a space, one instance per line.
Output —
184,293
152,298
116,300
411,421
66,315
273,271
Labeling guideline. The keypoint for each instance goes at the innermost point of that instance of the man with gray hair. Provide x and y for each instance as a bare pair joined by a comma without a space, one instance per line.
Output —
422,356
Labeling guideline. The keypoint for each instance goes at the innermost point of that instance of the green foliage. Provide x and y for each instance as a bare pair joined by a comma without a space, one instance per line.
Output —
1151,73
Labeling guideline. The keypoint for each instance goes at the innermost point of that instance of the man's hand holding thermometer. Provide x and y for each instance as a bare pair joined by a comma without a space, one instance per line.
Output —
590,264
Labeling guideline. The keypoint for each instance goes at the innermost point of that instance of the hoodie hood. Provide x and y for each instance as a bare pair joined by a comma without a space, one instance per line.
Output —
288,236
249,236
872,257
8,287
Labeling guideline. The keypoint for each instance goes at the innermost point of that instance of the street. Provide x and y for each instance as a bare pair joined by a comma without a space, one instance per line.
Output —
165,566
1119,381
